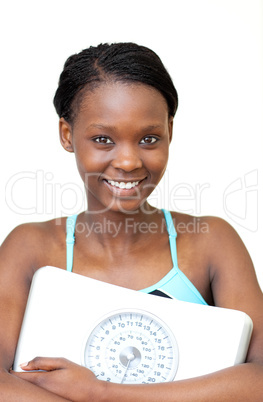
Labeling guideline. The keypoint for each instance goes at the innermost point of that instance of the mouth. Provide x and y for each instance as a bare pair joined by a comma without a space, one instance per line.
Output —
123,185
124,188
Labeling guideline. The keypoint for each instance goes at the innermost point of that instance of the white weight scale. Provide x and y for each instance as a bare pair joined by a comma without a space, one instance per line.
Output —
125,336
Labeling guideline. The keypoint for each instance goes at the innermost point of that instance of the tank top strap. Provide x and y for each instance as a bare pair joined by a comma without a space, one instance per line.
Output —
70,240
172,236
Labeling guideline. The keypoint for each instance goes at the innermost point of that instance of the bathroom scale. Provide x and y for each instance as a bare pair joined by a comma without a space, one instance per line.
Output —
125,336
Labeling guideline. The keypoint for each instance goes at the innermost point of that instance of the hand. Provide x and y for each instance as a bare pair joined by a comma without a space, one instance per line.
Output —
62,377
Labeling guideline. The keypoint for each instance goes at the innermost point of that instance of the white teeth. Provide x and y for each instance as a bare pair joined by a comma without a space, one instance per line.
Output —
122,184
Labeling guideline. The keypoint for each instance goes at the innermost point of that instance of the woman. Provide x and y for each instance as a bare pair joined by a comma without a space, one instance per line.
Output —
116,105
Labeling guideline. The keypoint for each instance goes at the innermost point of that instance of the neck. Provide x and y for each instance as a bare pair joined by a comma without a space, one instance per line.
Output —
122,228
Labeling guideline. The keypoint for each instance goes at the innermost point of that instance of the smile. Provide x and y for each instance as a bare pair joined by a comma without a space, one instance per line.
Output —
123,185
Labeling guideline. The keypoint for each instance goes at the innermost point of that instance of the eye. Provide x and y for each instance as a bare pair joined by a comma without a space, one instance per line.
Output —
103,140
148,140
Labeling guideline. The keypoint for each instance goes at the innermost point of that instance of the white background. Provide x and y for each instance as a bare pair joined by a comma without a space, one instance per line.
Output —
213,51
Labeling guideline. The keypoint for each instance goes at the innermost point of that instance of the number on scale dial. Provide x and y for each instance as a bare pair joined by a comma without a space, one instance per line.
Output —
132,346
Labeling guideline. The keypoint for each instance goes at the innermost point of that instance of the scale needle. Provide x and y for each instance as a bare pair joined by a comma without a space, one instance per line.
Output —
130,357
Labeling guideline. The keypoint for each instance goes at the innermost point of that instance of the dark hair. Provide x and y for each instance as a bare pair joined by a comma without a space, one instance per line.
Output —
126,62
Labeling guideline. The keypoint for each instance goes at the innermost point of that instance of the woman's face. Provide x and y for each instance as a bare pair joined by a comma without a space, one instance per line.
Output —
120,138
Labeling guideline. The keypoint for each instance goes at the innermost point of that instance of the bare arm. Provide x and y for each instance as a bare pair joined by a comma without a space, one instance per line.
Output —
240,383
234,285
17,258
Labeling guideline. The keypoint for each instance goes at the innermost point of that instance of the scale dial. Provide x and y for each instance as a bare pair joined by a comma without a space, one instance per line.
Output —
132,346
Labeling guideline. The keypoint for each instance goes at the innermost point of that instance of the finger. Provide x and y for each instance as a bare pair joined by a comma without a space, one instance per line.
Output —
45,363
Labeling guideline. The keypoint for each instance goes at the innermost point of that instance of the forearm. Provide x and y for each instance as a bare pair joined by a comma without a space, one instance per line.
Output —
16,389
239,383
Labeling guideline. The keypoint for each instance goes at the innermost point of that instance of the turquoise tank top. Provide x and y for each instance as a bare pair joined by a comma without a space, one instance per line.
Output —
173,285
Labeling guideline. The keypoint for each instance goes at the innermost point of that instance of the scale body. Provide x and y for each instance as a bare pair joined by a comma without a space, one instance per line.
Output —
125,336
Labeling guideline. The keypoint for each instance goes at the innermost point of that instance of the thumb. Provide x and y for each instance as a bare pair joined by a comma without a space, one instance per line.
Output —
45,363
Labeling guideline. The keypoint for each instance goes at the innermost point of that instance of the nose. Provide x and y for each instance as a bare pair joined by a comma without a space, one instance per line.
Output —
126,158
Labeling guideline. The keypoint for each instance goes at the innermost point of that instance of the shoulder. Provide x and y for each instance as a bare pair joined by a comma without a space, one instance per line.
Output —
29,241
230,265
220,244
35,231
211,228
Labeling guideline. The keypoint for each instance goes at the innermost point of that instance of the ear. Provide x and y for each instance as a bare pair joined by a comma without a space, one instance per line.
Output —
65,134
170,127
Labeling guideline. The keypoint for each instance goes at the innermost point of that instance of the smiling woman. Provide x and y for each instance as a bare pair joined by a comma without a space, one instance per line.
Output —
120,140
116,105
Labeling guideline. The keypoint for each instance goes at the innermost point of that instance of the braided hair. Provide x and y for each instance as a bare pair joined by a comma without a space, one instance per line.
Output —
117,62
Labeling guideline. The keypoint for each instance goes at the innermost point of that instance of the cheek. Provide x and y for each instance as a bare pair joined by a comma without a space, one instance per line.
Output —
90,162
157,162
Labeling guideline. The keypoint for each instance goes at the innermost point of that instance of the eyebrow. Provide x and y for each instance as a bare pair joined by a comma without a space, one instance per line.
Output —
146,128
